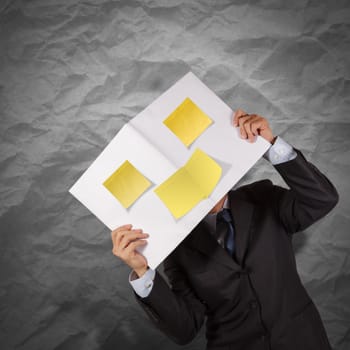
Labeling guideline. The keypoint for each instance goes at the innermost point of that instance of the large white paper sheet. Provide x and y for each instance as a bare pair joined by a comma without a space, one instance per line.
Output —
157,153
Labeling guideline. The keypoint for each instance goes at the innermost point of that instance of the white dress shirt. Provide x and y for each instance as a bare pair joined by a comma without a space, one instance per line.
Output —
279,152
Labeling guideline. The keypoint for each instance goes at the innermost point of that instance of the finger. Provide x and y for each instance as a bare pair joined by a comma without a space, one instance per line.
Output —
133,245
242,118
121,234
122,240
256,126
261,123
125,241
117,236
241,122
120,228
247,128
255,119
238,113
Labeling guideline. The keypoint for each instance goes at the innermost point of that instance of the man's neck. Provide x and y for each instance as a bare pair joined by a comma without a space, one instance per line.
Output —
218,205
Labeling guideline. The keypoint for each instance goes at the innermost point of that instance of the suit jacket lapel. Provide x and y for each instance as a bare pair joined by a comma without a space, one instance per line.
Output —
202,239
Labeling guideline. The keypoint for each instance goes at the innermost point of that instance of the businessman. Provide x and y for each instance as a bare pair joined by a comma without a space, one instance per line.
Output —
237,268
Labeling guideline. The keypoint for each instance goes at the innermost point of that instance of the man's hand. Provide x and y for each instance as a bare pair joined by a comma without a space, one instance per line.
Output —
125,241
251,125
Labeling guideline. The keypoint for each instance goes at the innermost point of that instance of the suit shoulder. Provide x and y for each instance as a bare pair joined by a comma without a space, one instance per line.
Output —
255,191
260,185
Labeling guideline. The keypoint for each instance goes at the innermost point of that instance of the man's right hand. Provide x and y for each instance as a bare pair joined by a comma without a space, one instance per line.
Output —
125,241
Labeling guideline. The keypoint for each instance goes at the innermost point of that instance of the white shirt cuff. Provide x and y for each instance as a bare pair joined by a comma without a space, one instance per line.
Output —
143,285
280,152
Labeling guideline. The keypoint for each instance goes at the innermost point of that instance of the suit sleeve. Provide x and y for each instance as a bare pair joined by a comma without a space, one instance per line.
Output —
175,310
310,197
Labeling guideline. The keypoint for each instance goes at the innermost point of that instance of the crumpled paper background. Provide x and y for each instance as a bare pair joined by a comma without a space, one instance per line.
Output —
73,72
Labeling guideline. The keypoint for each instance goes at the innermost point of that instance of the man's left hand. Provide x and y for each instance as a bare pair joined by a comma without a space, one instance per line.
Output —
252,125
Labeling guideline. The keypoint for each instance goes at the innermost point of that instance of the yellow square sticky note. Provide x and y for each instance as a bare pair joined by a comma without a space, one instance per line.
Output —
204,171
187,121
179,193
127,184
190,184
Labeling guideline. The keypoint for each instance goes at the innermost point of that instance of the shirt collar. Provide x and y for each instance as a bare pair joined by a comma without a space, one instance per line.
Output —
226,204
210,219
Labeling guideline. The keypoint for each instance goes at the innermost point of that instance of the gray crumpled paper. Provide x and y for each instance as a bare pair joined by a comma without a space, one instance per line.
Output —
72,73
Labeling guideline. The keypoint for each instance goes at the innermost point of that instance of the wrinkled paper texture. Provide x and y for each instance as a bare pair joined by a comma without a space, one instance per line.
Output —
73,72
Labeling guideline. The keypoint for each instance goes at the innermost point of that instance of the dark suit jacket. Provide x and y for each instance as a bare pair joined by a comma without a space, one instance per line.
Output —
258,301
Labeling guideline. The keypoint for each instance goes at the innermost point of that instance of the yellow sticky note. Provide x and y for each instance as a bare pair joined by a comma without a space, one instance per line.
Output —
190,184
127,184
179,193
187,121
204,171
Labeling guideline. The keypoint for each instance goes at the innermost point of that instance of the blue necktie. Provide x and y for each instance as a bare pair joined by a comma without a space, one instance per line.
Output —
224,230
